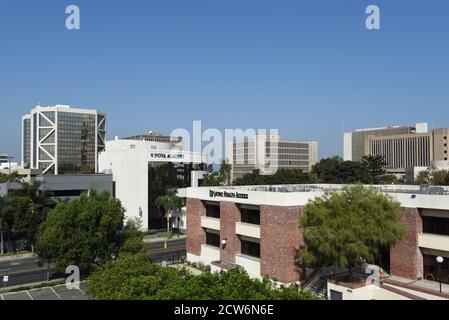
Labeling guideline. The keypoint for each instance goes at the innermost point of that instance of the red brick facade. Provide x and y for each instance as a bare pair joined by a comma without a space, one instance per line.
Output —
195,233
406,259
280,242
229,215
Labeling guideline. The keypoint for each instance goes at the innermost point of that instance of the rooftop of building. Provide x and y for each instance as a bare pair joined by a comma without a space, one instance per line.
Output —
154,136
65,108
438,190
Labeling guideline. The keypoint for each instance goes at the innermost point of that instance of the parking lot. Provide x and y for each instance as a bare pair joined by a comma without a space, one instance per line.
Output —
59,292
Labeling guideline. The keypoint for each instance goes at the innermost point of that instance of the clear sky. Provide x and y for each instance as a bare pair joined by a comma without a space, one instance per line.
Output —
309,68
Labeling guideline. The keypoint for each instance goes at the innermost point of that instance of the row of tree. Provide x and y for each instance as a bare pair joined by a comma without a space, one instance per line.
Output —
370,170
88,232
21,213
434,177
132,277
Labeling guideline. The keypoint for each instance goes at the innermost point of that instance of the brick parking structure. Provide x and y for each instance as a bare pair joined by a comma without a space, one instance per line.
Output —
229,215
280,242
196,236
406,259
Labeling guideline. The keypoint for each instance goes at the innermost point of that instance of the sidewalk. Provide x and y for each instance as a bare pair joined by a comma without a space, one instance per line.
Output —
15,257
153,240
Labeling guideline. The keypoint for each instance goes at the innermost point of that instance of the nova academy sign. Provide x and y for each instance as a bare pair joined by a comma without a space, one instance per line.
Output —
166,155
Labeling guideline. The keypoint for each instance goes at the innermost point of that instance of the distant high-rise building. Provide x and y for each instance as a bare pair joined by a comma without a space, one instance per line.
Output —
268,153
63,140
401,147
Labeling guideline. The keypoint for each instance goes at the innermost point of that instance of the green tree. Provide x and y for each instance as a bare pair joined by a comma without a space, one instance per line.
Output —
132,277
6,221
433,176
84,232
424,177
376,167
212,180
170,204
440,177
344,228
282,176
132,238
335,170
14,176
31,206
225,172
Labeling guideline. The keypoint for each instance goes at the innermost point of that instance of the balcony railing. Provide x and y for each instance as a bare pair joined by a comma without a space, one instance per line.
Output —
433,241
247,229
210,223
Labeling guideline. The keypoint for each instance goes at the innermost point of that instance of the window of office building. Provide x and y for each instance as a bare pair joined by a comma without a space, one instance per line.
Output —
161,177
250,248
213,209
250,215
26,143
76,143
212,239
436,225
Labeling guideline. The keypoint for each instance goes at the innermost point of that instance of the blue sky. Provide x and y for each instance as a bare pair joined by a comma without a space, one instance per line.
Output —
306,67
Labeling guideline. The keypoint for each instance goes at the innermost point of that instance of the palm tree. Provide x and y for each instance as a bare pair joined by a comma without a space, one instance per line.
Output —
225,172
40,200
170,203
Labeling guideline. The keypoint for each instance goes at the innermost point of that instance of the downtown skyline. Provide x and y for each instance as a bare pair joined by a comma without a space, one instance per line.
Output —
313,72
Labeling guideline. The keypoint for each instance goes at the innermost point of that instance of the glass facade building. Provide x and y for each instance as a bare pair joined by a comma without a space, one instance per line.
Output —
62,140
161,177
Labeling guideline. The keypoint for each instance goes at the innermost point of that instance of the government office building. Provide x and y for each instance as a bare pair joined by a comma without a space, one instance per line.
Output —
268,153
402,147
258,228
61,140
144,167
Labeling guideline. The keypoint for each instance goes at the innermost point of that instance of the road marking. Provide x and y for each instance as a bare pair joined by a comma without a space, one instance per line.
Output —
82,291
2,297
60,298
29,295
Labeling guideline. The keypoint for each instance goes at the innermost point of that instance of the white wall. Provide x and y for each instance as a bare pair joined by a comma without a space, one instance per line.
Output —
251,265
127,161
347,146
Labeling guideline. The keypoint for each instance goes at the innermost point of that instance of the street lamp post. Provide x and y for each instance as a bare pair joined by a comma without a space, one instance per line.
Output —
439,260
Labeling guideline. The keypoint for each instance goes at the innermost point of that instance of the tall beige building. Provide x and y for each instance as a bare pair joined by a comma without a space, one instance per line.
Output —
268,153
402,147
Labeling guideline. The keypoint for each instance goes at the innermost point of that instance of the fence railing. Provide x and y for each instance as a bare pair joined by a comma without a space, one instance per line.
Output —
169,258
33,278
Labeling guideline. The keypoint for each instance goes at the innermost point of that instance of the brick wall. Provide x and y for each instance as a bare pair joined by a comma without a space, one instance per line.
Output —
229,215
280,242
406,259
195,233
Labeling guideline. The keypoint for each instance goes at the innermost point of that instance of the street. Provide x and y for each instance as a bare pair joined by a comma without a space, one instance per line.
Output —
175,250
23,271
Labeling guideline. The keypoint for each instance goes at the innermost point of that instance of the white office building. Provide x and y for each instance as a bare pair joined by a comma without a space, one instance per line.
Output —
143,168
63,140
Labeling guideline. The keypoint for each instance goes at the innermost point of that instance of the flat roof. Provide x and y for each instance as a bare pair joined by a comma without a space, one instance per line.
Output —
409,196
